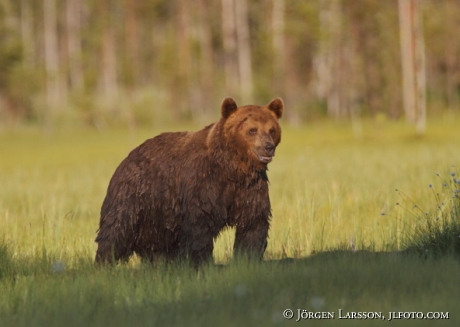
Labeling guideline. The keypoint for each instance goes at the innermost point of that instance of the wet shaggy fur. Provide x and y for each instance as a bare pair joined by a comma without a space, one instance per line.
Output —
174,193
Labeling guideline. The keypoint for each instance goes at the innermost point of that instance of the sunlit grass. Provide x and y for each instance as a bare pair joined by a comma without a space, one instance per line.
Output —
328,190
327,187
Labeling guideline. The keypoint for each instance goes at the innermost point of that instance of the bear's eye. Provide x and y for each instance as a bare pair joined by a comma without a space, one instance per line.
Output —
253,131
272,131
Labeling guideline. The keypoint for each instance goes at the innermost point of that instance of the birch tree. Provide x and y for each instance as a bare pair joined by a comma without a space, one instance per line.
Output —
51,54
74,48
27,34
413,63
278,46
206,61
109,76
244,51
131,40
328,61
229,45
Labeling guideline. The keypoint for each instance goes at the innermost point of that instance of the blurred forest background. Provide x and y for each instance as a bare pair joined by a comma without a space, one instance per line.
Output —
128,62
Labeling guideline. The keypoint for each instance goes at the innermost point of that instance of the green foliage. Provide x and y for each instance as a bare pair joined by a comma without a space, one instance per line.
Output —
10,50
11,91
438,234
5,258
10,55
175,48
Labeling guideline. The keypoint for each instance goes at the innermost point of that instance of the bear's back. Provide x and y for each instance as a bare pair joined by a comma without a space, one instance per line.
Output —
177,144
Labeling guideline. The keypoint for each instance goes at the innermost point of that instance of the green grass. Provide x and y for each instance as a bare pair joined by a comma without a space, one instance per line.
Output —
438,231
328,190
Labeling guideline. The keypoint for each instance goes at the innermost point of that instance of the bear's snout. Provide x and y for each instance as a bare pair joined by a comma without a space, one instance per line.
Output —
269,149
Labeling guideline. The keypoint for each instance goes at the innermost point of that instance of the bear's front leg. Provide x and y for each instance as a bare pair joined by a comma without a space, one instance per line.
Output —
196,245
251,240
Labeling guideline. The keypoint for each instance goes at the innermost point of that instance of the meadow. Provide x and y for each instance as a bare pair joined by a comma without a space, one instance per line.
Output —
334,241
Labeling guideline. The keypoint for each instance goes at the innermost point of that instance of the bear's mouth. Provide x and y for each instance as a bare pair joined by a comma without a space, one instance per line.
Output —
264,159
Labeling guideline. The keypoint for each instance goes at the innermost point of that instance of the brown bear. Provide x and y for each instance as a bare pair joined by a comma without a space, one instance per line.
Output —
173,194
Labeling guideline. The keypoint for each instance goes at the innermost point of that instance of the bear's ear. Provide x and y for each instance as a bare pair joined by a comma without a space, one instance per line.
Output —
277,107
228,107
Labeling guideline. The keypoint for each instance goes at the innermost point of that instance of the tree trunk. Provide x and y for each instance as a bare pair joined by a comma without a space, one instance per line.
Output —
131,37
229,40
328,63
206,56
51,56
452,54
73,17
244,51
27,34
182,80
278,47
109,76
413,63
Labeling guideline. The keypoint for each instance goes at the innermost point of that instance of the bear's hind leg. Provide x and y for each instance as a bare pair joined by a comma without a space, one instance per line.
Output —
108,253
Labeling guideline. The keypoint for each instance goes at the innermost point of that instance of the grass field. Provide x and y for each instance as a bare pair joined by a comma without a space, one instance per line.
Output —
329,189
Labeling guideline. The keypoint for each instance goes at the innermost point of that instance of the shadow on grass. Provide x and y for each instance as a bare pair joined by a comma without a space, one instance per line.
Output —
340,254
39,292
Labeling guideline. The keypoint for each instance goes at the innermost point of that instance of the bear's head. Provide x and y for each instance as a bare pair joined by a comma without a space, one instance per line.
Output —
253,130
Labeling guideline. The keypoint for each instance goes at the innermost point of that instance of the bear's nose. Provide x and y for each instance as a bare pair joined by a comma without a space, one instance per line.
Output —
269,149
